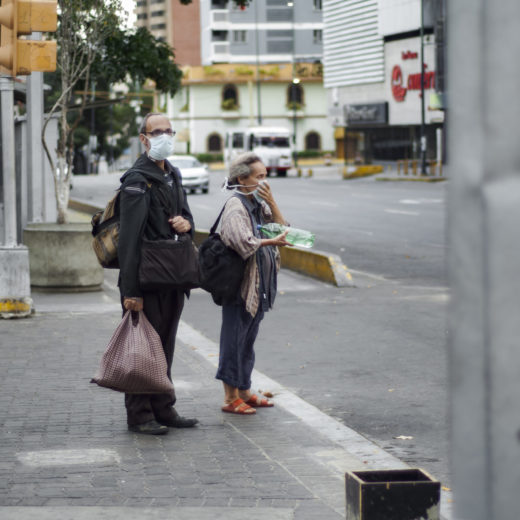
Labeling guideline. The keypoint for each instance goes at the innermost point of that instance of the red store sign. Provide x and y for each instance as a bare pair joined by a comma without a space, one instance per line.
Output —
413,82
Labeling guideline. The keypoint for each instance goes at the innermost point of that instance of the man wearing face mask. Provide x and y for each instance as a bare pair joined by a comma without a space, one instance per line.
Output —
153,205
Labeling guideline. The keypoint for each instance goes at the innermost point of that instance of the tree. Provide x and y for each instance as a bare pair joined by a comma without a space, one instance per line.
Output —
83,27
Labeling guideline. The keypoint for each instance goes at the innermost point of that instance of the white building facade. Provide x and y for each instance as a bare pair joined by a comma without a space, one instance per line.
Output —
372,73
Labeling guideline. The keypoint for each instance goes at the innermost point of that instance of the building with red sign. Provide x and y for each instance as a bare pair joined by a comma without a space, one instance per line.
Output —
372,73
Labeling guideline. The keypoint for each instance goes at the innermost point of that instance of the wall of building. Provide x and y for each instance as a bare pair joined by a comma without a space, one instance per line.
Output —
186,32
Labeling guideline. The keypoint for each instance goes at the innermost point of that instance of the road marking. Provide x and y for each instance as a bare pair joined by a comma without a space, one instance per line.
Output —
68,457
324,203
421,201
402,212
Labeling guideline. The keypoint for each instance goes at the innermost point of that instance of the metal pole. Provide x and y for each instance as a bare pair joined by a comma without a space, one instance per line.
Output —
293,86
8,160
423,129
258,93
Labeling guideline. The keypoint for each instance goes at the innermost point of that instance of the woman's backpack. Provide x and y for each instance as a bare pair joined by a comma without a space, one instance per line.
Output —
221,268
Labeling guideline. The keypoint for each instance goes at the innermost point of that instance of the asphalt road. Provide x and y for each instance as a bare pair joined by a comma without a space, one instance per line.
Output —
372,356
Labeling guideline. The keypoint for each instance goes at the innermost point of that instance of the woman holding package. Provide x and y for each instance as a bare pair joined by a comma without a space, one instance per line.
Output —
252,205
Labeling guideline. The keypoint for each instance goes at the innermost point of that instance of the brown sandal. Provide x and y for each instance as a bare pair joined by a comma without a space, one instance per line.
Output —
239,407
259,402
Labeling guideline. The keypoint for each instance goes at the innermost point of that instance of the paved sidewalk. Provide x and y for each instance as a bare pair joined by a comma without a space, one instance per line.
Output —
65,452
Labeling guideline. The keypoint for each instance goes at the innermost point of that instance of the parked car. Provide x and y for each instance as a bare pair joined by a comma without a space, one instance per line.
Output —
195,175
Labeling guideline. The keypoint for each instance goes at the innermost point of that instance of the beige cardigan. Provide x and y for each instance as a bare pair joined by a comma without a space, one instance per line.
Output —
236,232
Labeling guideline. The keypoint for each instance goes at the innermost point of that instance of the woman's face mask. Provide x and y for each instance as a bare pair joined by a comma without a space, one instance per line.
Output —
160,147
255,193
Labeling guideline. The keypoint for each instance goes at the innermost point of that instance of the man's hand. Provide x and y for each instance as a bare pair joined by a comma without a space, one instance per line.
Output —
180,224
133,304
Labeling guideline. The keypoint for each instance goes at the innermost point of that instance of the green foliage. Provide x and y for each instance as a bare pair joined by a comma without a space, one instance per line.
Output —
212,71
209,157
243,70
229,104
138,55
294,105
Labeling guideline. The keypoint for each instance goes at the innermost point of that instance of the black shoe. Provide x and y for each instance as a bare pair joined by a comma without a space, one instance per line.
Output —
149,428
179,422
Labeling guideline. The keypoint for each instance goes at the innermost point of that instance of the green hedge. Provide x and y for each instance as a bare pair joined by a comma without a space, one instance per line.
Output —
311,154
209,157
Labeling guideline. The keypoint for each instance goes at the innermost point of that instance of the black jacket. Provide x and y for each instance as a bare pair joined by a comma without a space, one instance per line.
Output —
147,201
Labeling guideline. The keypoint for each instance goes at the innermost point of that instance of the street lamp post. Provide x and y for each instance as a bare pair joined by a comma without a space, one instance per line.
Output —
294,87
423,129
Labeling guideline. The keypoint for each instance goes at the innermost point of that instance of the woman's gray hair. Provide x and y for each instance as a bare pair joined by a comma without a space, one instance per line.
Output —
240,168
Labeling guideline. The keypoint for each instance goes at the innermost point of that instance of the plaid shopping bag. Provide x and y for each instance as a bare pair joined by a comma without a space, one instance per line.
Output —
134,360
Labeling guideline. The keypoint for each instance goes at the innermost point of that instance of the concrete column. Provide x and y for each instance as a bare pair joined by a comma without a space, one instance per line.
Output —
15,286
484,238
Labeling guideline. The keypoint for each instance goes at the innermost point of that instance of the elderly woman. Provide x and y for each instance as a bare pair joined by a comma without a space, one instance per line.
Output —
252,205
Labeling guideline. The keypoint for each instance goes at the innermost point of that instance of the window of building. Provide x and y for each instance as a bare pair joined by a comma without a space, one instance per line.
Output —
239,36
295,96
140,3
317,5
313,141
214,143
279,41
229,97
158,26
156,1
142,16
219,36
219,4
157,13
317,36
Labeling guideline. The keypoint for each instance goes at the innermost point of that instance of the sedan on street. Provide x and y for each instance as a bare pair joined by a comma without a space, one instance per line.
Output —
195,175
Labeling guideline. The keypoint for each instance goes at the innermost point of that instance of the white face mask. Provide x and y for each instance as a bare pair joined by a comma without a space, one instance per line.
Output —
255,194
160,147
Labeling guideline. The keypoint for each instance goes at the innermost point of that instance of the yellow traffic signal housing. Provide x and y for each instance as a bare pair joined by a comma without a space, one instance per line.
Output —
21,56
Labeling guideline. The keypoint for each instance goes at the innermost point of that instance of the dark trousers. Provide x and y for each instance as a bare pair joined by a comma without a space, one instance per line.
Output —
237,339
163,311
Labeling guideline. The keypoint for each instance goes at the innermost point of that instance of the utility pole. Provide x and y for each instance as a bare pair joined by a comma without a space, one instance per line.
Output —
423,127
258,93
484,255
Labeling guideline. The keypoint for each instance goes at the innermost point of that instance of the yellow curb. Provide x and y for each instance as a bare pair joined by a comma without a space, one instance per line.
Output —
412,179
363,170
11,307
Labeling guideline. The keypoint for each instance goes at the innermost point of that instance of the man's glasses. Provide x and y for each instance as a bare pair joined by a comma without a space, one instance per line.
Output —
158,132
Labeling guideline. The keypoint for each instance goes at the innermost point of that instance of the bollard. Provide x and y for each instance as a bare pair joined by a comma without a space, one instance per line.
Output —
405,166
433,164
414,167
299,172
399,166
344,173
398,494
309,172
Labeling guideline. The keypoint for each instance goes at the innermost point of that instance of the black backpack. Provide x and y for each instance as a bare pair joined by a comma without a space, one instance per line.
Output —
221,268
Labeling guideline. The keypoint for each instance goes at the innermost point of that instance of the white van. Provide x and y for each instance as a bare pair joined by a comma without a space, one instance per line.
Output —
272,144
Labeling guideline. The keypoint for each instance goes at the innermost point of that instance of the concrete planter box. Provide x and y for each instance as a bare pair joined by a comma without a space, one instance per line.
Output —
400,494
61,257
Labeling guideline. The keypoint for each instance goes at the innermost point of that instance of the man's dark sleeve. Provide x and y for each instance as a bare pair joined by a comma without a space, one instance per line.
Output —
185,210
133,215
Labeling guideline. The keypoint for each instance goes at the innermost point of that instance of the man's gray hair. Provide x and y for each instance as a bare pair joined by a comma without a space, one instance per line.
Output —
240,168
142,128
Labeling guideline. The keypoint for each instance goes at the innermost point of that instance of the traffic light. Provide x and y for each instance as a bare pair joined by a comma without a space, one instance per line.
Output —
19,56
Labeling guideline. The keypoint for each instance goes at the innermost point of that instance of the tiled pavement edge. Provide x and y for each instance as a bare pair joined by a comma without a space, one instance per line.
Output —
65,451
